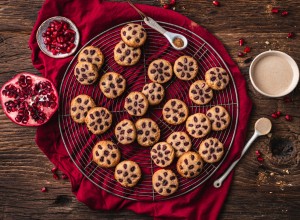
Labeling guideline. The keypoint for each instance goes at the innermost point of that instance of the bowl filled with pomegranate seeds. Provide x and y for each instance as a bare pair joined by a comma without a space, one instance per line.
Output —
58,37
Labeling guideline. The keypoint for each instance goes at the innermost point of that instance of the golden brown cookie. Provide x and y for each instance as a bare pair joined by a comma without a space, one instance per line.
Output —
160,71
136,104
148,132
134,35
154,92
80,106
180,141
219,118
189,165
86,73
112,84
98,120
125,55
162,154
106,154
198,125
186,68
128,173
165,182
211,150
92,55
175,112
217,78
200,93
125,132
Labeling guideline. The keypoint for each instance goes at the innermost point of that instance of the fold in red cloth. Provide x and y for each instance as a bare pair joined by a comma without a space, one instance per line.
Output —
92,17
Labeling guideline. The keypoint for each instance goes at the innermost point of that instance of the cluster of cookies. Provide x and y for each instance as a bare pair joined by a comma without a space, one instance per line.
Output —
146,131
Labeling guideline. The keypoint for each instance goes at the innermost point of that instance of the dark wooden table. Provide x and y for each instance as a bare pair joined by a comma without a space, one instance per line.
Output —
267,191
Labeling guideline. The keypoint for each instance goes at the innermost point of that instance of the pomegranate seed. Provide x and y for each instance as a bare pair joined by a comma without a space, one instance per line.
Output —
166,6
260,159
44,189
241,42
241,54
247,49
216,3
275,10
55,176
54,169
172,2
287,99
278,113
284,13
274,115
288,118
64,176
257,152
291,35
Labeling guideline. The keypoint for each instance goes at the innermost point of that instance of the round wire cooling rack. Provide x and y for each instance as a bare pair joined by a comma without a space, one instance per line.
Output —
79,141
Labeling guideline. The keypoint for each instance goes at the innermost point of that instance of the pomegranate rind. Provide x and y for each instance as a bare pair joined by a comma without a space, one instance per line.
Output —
47,110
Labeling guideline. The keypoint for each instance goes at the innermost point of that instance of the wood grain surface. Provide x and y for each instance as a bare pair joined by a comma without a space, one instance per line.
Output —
267,191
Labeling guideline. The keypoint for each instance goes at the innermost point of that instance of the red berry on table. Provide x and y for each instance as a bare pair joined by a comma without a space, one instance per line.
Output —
55,176
241,42
288,118
278,113
241,54
260,159
291,35
44,189
172,2
216,3
275,10
274,115
257,153
284,13
247,49
166,6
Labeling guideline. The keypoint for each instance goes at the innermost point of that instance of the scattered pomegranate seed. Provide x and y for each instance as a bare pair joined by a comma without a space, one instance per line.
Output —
274,115
54,169
288,118
284,13
172,3
260,159
291,35
278,113
44,189
287,99
241,54
55,176
241,42
275,10
64,176
247,49
257,152
166,6
216,3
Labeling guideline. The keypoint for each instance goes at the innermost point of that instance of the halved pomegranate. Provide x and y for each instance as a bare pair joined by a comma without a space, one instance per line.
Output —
29,100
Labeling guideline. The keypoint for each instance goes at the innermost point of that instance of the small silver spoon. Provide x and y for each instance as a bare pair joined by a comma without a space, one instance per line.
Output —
262,127
173,38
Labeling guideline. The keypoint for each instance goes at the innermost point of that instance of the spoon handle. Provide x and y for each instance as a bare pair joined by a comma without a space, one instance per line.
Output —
153,24
218,182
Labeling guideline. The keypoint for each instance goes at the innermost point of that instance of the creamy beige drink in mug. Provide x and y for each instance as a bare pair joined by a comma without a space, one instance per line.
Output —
274,73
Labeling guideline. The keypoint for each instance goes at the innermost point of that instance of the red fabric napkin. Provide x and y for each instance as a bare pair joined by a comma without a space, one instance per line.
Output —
92,17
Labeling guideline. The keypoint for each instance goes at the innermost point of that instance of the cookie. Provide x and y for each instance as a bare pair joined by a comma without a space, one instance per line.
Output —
217,78
180,141
125,55
148,132
79,107
154,92
200,93
125,132
85,73
136,104
162,154
189,165
98,120
211,150
219,118
92,55
186,68
160,71
165,182
134,35
128,173
106,154
198,125
175,112
112,84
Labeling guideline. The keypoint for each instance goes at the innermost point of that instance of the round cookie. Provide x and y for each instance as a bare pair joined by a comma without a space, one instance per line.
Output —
92,55
112,84
211,150
85,73
106,154
186,68
189,165
217,78
165,182
148,132
134,35
200,93
128,173
198,125
79,107
125,55
175,112
154,92
160,71
125,132
136,104
162,154
98,120
219,118
180,141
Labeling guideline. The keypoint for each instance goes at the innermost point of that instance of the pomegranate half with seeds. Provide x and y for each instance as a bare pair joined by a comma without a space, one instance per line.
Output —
29,100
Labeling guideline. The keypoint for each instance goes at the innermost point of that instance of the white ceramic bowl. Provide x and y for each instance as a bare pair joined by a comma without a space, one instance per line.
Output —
290,61
43,27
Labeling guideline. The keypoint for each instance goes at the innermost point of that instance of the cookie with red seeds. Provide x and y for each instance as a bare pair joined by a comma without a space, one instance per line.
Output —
165,182
125,55
186,68
80,106
200,93
128,173
198,125
189,165
175,112
125,132
112,84
219,118
134,35
106,154
136,104
211,150
217,78
162,154
180,141
148,132
154,92
98,120
86,73
92,55
160,71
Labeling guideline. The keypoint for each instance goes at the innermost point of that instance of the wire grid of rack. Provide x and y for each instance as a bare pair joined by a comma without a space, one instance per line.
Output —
79,141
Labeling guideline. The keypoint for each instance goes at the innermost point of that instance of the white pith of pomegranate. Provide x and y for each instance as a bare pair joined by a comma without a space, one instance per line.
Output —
29,100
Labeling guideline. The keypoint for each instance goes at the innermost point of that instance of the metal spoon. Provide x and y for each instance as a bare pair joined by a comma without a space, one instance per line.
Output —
171,37
262,127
